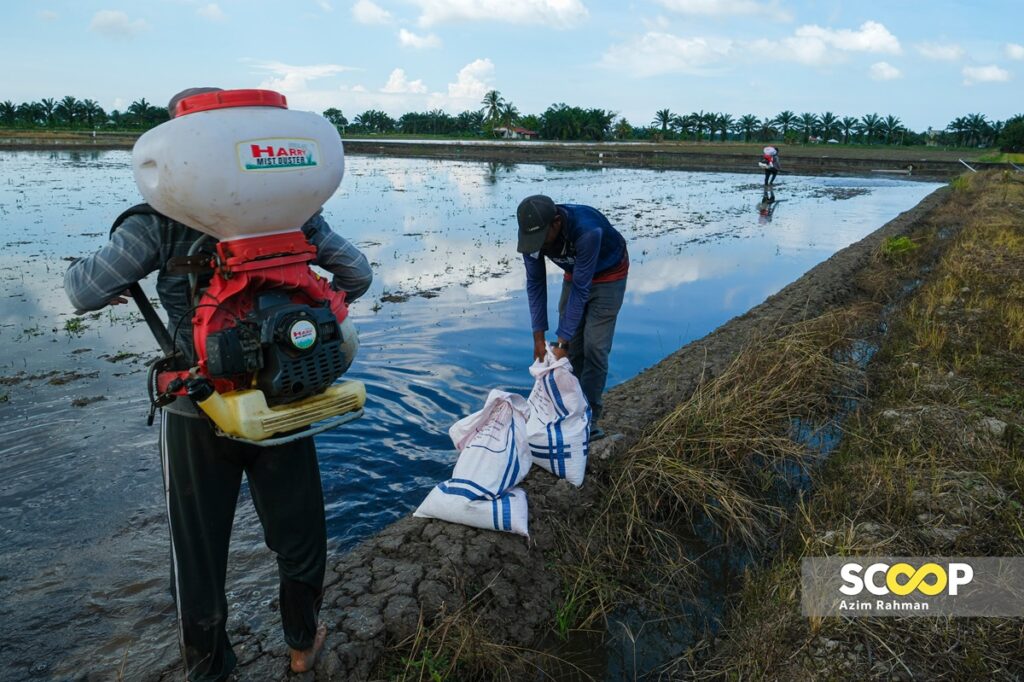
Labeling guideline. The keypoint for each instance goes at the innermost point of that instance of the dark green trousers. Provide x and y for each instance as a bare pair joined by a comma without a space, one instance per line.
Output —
202,477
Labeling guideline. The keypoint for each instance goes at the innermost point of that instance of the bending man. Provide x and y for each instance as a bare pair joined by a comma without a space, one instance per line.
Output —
581,241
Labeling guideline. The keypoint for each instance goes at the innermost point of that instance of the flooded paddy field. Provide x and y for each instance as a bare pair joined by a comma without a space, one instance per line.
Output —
84,561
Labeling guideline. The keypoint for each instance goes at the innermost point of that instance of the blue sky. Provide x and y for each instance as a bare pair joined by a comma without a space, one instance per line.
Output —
925,61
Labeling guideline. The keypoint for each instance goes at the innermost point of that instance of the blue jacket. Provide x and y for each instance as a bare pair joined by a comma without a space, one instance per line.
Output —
587,246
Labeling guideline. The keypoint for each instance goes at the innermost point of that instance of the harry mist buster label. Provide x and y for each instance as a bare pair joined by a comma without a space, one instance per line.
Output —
278,153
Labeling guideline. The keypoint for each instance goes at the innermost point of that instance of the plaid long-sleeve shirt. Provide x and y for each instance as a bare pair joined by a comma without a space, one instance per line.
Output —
145,243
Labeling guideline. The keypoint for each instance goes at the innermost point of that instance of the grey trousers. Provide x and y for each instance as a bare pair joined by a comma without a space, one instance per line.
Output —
590,347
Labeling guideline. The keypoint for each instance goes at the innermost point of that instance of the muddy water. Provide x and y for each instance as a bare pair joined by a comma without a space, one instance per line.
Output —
83,560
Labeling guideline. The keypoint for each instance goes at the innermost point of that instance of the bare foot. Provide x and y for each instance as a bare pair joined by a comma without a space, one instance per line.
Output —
303,661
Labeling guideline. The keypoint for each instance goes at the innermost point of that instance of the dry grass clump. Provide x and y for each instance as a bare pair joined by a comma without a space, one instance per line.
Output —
931,467
723,453
716,469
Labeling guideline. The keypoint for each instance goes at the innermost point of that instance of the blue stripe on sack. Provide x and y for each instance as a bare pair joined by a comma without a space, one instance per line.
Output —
472,484
494,511
556,395
513,460
506,512
460,492
562,454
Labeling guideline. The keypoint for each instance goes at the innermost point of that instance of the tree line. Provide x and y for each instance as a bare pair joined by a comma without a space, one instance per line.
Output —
563,122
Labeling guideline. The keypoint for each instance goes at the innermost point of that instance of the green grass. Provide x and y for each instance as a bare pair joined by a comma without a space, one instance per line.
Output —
1003,157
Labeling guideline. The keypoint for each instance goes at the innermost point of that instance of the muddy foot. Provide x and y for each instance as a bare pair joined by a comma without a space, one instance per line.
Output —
303,661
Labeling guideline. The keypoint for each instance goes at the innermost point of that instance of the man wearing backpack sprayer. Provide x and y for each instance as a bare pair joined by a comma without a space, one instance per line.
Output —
202,470
581,241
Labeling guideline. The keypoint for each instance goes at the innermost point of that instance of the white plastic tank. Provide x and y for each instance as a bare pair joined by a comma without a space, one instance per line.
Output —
239,163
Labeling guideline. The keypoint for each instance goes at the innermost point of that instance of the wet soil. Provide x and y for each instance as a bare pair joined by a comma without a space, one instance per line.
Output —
417,568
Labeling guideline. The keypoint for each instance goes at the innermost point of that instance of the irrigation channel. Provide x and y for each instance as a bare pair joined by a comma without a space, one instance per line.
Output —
84,564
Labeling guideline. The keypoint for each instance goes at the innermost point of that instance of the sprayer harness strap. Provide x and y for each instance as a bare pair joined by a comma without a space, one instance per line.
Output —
156,325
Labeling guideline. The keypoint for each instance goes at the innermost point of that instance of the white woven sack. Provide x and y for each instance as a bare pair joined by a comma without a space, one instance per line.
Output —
459,502
492,443
493,458
558,430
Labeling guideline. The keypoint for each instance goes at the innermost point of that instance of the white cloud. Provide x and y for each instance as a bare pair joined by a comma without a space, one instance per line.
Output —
720,8
552,13
884,71
324,5
48,15
815,45
367,12
116,24
1014,51
398,84
213,12
471,84
410,39
985,74
657,53
870,37
295,79
948,52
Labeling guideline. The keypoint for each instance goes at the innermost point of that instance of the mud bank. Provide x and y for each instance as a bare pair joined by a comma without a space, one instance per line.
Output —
417,571
910,162
913,162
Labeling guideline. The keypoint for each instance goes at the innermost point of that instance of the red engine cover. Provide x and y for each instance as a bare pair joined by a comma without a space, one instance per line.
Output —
247,267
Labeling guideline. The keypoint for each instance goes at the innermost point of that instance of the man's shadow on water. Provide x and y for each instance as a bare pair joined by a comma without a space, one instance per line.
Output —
766,208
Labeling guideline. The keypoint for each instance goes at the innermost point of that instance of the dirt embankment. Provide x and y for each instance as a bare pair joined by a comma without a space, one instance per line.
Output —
419,580
929,466
914,162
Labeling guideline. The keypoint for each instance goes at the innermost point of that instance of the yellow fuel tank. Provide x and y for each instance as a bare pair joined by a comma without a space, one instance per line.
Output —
246,415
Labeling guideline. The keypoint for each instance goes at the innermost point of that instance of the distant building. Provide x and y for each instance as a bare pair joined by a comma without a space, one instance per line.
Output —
516,133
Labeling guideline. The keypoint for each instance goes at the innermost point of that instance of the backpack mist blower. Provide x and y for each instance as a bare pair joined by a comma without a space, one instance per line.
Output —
241,167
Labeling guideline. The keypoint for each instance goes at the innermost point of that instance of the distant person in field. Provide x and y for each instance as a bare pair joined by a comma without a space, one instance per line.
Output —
770,163
581,241
766,209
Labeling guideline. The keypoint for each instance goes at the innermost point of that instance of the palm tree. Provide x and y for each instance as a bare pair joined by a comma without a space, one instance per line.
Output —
808,123
829,124
976,127
67,110
92,111
767,129
959,127
698,120
683,124
32,113
141,111
891,125
509,114
623,129
848,124
747,124
8,112
786,119
663,117
725,123
872,124
48,104
492,102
